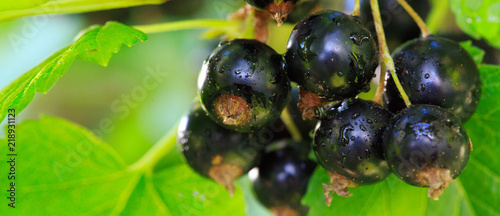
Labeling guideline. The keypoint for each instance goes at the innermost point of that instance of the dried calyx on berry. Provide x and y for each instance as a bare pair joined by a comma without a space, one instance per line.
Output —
305,126
279,9
348,144
243,85
332,56
427,146
215,152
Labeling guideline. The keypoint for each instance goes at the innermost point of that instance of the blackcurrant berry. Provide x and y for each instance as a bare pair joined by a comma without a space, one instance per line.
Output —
279,9
348,144
426,146
302,9
283,176
398,24
243,85
438,71
215,152
331,55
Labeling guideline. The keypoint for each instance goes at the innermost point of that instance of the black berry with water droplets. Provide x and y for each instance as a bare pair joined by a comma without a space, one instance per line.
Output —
214,151
243,85
437,71
332,55
348,144
427,146
283,176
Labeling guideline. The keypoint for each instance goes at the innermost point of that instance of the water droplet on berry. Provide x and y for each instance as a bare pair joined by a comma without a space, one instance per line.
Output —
345,132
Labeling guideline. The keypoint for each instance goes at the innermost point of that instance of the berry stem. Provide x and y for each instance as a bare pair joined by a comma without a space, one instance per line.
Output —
157,152
414,15
381,83
188,24
290,125
74,6
385,57
356,10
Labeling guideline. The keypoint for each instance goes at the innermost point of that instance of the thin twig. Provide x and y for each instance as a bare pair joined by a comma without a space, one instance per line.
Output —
414,15
385,57
356,10
290,125
381,83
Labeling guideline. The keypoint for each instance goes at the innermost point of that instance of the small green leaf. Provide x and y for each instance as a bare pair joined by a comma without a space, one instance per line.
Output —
63,169
97,45
479,19
476,52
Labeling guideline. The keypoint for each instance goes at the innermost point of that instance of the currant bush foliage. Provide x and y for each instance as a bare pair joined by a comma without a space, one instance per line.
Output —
97,45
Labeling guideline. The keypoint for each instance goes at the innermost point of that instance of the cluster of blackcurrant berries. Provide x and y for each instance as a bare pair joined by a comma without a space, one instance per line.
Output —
244,86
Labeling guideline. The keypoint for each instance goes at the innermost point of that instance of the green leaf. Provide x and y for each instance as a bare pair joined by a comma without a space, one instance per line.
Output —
479,19
187,193
476,52
390,197
28,7
64,165
63,169
481,178
97,45
252,205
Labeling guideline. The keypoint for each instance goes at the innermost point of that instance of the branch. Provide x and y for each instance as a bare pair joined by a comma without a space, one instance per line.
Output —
385,58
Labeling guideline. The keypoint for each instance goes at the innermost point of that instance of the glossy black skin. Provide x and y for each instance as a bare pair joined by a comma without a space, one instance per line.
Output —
349,141
425,136
332,55
200,140
262,4
399,27
306,127
435,71
301,10
283,176
248,69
